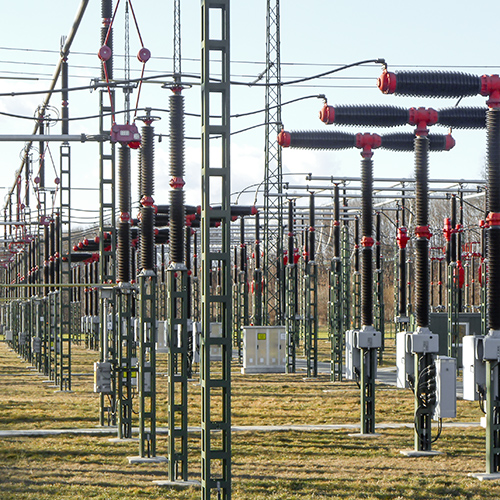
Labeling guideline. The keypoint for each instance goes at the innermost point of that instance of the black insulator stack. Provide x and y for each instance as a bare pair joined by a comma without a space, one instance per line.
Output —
176,226
493,155
312,241
52,251
242,245
290,232
107,14
464,118
493,207
402,282
356,244
177,210
422,242
257,241
453,239
46,256
367,242
147,210
378,235
123,273
436,84
406,142
381,116
324,139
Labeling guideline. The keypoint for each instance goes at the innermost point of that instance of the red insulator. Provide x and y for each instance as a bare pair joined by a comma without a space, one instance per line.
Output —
124,217
134,144
402,237
104,53
284,139
144,55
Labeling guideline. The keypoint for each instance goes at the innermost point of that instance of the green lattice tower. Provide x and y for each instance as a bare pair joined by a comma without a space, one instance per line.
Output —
311,319
346,278
378,309
335,323
177,301
291,320
273,174
107,250
216,387
64,268
147,363
125,350
453,309
52,326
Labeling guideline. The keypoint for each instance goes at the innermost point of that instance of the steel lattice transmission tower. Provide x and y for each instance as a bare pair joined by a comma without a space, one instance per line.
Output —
273,176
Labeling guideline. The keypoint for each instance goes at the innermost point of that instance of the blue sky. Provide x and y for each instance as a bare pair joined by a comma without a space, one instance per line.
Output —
315,37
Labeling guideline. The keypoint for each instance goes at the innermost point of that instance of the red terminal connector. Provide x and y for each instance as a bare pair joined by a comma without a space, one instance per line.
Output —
147,201
367,241
490,86
144,55
177,183
124,217
450,142
387,82
423,232
284,139
104,53
367,142
422,117
447,231
327,114
402,237
493,219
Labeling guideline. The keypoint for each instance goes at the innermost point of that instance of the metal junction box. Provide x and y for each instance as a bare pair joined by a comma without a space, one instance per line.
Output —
102,377
352,356
474,369
264,349
404,360
446,387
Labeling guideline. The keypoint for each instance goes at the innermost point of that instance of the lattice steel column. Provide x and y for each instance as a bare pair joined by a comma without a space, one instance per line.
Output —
273,175
216,388
64,268
107,214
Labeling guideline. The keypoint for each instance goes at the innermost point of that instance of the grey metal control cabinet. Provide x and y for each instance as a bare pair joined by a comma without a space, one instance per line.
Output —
264,349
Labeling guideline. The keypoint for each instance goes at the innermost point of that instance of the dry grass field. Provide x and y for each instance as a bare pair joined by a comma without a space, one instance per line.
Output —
277,464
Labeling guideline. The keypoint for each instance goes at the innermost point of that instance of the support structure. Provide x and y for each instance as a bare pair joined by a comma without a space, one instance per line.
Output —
273,174
216,387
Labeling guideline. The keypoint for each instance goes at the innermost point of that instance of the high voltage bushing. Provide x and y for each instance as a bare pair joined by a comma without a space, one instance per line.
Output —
392,116
334,140
430,84
147,239
107,15
177,211
123,231
366,242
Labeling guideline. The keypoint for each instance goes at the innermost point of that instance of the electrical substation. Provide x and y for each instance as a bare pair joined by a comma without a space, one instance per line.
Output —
380,290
